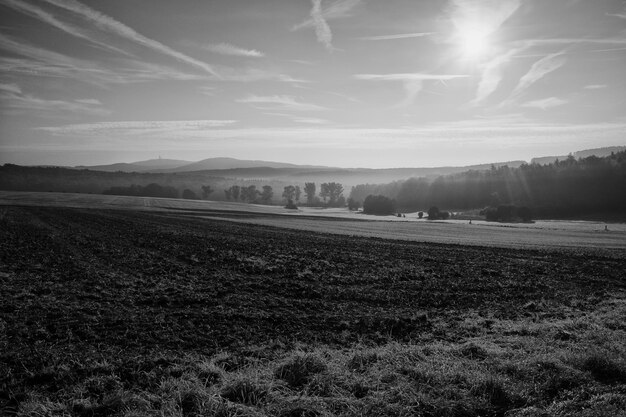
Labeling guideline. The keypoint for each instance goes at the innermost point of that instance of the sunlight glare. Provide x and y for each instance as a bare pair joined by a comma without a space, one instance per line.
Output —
474,43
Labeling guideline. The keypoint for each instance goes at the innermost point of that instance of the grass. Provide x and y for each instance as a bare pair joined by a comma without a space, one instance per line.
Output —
531,373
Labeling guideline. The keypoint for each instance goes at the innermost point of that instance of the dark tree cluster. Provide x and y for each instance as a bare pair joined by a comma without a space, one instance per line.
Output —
379,205
562,189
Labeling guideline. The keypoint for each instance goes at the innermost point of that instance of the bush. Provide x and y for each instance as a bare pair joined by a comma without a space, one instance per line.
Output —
420,214
379,205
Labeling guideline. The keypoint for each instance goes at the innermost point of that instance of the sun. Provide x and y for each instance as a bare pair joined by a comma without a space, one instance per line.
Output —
474,43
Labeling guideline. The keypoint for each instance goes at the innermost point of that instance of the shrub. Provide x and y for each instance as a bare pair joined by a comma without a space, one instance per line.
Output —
420,214
379,205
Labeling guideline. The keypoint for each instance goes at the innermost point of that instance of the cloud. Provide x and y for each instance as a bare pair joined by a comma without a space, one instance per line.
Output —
492,75
322,30
229,49
10,88
41,62
484,15
545,103
256,74
280,103
46,17
398,36
15,101
338,9
595,86
108,24
413,82
137,127
538,70
310,120
409,77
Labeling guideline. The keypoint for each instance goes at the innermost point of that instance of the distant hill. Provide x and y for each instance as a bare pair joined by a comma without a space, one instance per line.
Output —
232,163
599,152
176,165
139,166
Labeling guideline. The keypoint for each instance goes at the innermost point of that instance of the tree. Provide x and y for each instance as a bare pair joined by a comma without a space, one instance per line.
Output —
309,191
235,191
298,193
289,192
267,194
206,191
433,213
353,205
525,214
325,192
249,194
378,204
228,194
335,190
189,195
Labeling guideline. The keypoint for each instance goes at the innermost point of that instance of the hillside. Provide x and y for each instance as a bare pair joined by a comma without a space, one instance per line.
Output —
599,152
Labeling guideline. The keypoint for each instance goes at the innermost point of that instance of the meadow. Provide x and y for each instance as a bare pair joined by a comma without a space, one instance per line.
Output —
140,312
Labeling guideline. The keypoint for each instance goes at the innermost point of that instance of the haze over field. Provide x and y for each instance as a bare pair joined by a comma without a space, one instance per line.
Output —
347,83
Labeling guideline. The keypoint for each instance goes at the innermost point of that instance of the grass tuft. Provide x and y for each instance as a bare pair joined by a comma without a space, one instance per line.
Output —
245,391
298,370
603,369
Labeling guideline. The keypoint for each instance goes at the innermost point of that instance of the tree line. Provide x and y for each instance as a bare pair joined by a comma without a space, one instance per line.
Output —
562,189
331,193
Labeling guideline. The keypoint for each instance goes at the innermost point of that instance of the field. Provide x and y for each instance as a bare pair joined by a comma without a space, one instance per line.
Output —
189,311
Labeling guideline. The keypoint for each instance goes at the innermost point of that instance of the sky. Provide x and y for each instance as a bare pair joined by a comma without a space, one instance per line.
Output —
347,83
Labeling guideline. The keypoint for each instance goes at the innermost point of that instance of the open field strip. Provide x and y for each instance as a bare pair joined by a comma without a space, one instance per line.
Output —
553,234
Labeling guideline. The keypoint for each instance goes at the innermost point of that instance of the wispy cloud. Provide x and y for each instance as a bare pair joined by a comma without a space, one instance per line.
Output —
41,62
310,120
46,17
595,86
492,75
137,127
538,70
485,16
417,76
14,101
413,82
397,36
257,74
545,103
110,25
229,49
338,9
322,30
280,103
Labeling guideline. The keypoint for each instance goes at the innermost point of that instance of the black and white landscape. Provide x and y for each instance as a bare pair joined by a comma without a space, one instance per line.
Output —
312,208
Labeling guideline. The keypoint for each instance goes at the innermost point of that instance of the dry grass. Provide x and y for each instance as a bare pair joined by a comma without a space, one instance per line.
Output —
523,368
